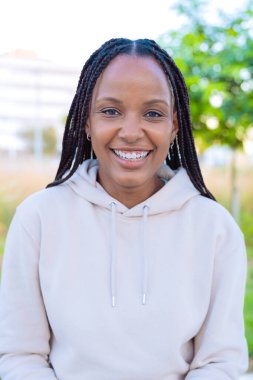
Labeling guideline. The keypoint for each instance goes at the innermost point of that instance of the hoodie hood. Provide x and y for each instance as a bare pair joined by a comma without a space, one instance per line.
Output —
172,196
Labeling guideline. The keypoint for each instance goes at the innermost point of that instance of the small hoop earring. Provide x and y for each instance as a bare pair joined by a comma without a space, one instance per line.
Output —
170,149
88,136
178,151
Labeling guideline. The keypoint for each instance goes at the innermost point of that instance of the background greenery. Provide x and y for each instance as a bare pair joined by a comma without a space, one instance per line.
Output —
217,62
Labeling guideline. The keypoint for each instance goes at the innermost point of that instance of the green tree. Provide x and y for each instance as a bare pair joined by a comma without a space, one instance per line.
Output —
217,62
49,140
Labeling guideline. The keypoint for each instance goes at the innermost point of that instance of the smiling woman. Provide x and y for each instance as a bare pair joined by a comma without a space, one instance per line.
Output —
125,267
132,125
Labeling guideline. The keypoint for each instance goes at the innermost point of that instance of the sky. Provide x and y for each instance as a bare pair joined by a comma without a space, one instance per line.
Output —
68,31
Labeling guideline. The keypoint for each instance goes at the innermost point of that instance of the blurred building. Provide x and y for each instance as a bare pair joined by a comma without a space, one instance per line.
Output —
34,94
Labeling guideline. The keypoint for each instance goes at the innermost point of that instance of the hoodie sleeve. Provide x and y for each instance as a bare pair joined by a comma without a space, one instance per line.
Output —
24,329
220,347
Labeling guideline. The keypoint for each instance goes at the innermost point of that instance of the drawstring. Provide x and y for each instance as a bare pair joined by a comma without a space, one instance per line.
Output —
144,254
113,253
143,250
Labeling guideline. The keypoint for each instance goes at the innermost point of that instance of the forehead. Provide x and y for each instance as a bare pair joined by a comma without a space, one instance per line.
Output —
133,73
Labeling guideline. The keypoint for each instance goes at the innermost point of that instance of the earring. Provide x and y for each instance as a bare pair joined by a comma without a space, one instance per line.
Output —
170,149
178,151
91,150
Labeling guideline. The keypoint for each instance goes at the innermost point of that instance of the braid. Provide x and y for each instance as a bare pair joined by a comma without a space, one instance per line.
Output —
185,136
75,146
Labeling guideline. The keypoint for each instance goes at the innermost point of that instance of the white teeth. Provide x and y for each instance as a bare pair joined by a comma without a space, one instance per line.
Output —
130,155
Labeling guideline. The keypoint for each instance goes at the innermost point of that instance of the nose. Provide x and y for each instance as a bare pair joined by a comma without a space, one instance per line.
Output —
131,129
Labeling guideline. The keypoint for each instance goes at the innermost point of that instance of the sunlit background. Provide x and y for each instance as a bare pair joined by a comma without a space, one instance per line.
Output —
67,32
43,47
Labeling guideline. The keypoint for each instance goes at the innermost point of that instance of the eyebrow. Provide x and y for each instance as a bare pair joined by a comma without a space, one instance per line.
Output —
152,101
149,102
110,99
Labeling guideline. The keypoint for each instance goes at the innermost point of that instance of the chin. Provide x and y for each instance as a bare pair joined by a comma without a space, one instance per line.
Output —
129,182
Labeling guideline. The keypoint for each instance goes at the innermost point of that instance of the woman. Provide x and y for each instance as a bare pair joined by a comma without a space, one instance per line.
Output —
125,267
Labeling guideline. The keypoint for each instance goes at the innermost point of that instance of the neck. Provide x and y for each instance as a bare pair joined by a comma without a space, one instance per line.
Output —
130,196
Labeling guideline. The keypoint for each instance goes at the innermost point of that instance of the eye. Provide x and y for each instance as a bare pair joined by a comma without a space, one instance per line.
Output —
110,112
153,114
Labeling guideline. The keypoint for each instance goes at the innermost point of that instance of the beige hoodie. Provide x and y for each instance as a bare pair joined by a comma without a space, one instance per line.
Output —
92,290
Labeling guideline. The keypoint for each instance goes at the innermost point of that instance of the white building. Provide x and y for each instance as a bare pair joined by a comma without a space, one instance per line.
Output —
34,93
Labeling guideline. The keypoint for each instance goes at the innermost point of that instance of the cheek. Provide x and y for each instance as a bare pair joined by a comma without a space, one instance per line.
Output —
162,136
164,150
102,132
164,146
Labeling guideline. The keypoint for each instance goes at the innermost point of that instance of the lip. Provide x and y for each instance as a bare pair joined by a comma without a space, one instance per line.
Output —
132,149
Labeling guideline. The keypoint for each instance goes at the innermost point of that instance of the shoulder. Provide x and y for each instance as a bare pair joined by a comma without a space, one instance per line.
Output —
215,217
214,228
43,202
39,199
208,205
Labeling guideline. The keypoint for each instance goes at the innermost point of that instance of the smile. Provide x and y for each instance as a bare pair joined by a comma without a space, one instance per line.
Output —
131,156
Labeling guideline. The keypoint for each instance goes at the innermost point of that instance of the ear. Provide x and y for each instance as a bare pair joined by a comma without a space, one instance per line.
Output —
87,128
175,126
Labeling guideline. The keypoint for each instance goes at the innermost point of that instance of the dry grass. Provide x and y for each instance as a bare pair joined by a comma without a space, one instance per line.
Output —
218,181
25,176
19,178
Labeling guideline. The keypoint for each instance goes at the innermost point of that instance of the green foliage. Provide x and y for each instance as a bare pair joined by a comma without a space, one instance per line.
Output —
246,224
2,241
49,140
217,63
6,213
248,310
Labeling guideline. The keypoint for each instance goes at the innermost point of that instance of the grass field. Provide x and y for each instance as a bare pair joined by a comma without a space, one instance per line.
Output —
218,181
19,179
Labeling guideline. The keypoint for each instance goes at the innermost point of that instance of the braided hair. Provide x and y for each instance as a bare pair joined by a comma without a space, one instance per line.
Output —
76,148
